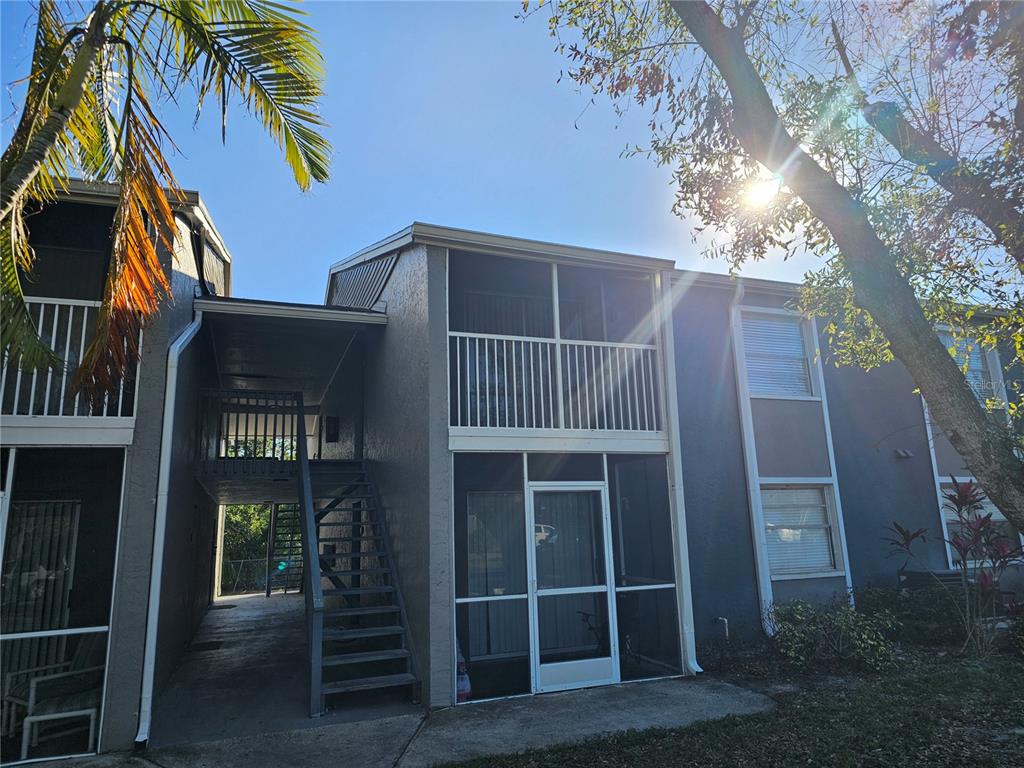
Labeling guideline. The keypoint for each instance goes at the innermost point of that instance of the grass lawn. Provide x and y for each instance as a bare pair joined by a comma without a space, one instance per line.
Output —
939,712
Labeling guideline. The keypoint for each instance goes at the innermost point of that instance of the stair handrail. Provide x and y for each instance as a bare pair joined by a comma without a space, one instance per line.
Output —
312,587
389,549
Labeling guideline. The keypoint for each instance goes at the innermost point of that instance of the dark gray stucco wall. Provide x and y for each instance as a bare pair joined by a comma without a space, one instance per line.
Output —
191,521
403,409
343,400
790,438
135,546
873,414
722,574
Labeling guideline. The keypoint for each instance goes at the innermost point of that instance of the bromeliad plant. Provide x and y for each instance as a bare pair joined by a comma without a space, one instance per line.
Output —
90,109
982,552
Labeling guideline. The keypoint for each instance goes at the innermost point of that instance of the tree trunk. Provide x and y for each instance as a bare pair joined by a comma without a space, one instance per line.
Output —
879,288
26,167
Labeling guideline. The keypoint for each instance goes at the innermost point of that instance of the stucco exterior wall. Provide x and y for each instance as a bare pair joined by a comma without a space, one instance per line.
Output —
873,415
724,582
185,586
135,547
404,410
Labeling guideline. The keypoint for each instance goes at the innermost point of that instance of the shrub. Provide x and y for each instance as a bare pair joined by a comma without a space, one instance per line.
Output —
982,551
924,617
1015,634
834,636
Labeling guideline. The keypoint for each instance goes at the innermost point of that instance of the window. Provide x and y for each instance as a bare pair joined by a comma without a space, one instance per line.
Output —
987,508
798,529
971,352
776,355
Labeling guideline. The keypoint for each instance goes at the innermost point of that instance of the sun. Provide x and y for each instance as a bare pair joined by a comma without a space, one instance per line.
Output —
760,193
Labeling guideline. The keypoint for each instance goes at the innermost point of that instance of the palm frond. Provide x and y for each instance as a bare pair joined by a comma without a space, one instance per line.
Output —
19,335
262,53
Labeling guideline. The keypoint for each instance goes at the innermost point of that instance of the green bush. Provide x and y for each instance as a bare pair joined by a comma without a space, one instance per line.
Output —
835,636
925,617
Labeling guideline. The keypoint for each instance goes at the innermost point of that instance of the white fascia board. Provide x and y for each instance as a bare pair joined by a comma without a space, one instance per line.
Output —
67,430
499,245
293,311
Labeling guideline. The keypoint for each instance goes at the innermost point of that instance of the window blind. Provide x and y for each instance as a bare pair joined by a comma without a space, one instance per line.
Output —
775,355
971,353
797,529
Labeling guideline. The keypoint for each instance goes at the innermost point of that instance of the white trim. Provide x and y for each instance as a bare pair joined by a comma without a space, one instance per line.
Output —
499,245
490,598
188,333
755,483
5,498
55,632
797,576
837,510
930,437
228,306
113,593
663,292
797,398
68,430
645,587
472,439
535,593
761,566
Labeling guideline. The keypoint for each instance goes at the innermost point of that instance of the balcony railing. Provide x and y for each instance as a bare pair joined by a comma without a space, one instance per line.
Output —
520,382
67,325
249,431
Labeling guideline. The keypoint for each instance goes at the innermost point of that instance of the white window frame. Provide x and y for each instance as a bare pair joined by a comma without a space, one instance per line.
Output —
810,356
826,487
993,366
765,579
941,487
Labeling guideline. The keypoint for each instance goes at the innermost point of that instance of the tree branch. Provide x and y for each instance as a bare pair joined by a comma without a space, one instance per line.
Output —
879,288
971,191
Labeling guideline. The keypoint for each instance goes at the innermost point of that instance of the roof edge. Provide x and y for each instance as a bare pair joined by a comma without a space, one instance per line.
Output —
106,193
453,237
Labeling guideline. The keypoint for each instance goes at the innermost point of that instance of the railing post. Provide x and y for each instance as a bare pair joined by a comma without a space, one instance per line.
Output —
558,344
310,563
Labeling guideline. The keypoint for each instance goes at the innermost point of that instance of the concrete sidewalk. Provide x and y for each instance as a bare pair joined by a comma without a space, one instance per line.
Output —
461,733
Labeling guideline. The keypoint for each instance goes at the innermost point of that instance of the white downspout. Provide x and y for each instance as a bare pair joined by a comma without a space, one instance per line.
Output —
666,304
160,526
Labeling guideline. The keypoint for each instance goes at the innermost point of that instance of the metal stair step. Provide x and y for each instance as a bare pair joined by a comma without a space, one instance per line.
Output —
349,555
363,610
357,590
368,683
338,633
341,659
350,539
363,572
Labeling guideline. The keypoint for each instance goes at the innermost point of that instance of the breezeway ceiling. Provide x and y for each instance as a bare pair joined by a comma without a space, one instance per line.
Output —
276,351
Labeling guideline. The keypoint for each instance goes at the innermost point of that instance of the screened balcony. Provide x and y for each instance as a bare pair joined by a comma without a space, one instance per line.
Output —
515,363
67,325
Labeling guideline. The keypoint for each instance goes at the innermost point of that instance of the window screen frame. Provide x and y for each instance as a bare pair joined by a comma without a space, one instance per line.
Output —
992,367
946,517
832,525
809,356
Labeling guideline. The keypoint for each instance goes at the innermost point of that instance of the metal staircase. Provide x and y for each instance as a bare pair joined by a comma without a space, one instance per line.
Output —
284,550
365,642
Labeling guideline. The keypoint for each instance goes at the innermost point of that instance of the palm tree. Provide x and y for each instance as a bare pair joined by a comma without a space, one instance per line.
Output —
89,110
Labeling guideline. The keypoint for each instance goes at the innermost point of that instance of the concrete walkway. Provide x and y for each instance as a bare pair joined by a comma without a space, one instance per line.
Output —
244,674
461,733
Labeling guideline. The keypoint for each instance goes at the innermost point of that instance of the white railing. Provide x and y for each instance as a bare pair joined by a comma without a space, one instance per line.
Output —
520,382
67,325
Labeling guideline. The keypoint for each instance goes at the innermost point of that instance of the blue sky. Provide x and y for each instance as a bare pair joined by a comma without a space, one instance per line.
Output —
448,113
